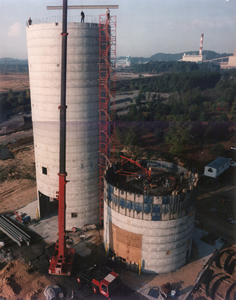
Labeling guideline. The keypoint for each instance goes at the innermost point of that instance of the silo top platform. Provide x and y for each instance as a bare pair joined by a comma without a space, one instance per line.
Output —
164,179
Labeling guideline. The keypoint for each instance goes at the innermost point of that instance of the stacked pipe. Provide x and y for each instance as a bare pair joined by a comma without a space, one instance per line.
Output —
13,231
201,43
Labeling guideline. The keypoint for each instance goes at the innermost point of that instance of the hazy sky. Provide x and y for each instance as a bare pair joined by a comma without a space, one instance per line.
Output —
144,27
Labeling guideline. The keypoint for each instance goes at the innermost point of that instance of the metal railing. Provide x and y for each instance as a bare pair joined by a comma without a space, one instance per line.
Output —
70,19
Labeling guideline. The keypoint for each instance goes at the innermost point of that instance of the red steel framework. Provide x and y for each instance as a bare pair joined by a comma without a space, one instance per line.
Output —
107,87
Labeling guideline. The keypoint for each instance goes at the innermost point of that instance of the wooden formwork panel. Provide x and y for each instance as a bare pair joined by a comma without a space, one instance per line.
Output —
125,244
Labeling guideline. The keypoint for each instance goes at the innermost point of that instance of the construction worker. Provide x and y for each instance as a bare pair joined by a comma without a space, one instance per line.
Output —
108,13
167,183
29,21
82,16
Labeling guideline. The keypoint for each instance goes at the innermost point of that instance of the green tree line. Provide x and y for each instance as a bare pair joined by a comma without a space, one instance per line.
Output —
177,135
171,82
156,67
12,99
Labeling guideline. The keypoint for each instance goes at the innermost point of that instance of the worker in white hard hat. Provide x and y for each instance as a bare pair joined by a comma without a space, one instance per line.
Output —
108,13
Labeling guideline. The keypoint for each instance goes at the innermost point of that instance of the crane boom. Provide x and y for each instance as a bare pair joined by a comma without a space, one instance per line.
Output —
63,258
124,160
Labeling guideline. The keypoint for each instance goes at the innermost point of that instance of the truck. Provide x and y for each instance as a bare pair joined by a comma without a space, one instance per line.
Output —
103,280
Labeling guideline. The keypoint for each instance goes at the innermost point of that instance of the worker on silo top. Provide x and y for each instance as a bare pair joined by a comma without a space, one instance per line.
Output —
167,183
29,21
108,13
82,16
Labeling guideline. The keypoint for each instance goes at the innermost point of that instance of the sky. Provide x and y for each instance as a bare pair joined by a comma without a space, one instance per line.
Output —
144,27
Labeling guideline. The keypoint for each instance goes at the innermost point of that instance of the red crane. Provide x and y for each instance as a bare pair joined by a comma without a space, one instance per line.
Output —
125,160
63,258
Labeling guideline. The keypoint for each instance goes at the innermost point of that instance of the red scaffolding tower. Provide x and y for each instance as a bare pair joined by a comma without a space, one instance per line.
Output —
107,87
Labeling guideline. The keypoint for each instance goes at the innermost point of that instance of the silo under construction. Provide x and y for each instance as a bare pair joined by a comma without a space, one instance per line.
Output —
82,134
149,214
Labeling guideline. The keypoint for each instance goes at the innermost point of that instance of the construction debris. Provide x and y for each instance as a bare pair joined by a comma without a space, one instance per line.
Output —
22,218
13,231
53,291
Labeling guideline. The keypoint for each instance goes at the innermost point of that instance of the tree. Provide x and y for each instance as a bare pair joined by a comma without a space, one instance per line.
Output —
194,112
131,136
178,135
218,150
21,99
233,109
158,133
223,117
141,96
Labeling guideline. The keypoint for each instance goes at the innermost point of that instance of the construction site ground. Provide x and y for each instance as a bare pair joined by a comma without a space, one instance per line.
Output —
18,281
215,213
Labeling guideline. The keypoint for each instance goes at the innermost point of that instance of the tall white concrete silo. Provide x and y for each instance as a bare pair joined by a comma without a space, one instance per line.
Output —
82,133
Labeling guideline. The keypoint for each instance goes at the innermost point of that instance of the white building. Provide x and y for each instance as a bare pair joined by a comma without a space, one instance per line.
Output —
124,61
217,167
194,58
230,64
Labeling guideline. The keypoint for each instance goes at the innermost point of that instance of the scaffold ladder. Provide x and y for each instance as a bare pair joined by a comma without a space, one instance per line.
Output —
107,87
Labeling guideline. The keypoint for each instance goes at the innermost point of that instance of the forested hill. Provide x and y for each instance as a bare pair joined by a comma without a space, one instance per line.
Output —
13,61
177,56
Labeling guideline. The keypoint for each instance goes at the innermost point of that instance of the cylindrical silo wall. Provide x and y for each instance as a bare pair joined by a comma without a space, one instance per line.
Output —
156,230
82,131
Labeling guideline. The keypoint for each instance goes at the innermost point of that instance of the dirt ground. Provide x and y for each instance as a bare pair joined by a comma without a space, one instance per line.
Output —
14,81
17,283
17,185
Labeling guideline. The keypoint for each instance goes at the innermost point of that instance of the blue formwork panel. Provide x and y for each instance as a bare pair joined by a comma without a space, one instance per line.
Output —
174,199
110,189
166,200
191,200
156,208
113,198
147,199
165,209
187,211
122,202
138,206
147,208
130,204
182,197
156,217
181,205
174,208
195,198
175,168
187,203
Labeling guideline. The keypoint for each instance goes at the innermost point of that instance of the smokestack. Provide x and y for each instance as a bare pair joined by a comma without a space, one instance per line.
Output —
201,42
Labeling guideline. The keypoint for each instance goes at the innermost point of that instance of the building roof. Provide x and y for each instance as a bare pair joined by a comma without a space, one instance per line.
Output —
217,163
